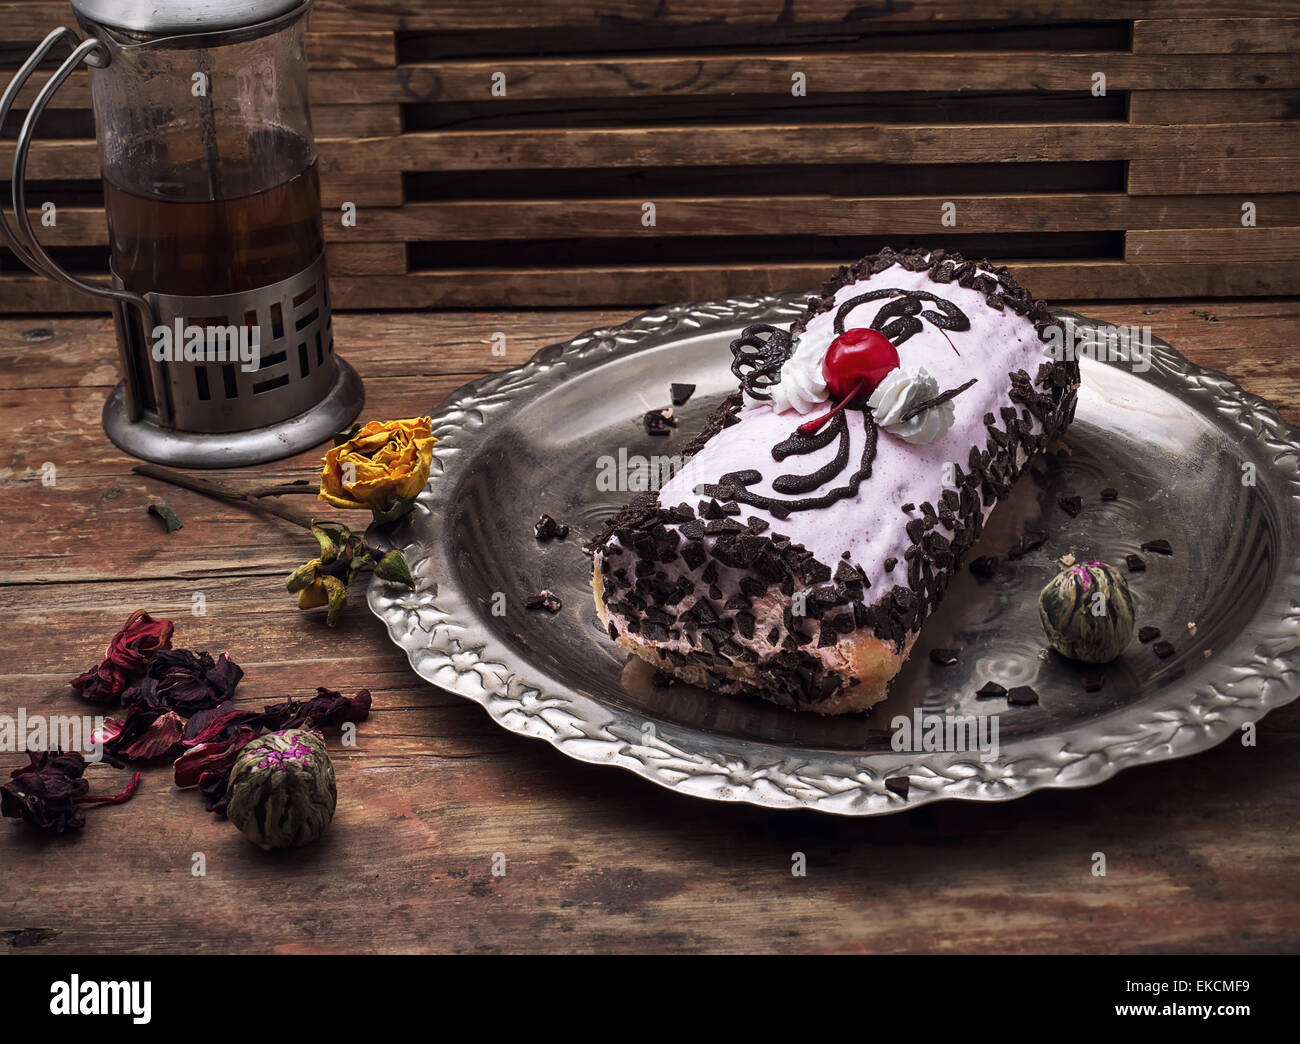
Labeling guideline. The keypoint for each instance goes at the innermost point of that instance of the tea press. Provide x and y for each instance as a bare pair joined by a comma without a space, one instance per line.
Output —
220,294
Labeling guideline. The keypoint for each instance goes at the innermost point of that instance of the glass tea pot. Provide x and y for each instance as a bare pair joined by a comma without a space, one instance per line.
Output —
220,292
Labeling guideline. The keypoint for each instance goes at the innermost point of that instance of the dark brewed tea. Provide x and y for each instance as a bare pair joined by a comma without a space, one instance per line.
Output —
214,246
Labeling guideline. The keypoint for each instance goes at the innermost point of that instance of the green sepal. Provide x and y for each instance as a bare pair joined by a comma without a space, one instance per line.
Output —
328,549
393,568
358,563
393,510
338,596
304,576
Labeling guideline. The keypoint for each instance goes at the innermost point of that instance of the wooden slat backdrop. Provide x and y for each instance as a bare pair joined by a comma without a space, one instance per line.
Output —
472,201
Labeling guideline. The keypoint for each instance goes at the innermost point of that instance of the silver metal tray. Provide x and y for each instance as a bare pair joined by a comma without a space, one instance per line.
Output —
1174,441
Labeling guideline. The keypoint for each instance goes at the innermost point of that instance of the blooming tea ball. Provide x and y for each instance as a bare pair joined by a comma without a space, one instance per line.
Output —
1087,612
281,792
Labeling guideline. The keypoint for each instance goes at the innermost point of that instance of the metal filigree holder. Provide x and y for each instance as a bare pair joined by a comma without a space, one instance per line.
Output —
215,413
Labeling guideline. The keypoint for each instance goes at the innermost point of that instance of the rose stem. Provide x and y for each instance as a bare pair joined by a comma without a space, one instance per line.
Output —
115,799
813,426
222,492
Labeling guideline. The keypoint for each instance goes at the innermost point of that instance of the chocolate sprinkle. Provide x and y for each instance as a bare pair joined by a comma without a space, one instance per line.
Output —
1110,493
990,690
1022,696
943,657
942,397
898,785
681,393
1148,634
1159,547
983,566
1163,649
1071,505
1135,563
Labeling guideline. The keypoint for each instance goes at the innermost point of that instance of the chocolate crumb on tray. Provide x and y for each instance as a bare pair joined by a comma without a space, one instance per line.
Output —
1022,696
943,657
1148,634
1135,563
1071,505
659,422
898,785
990,690
1110,493
983,566
546,528
1158,547
1163,649
544,599
680,393
1093,682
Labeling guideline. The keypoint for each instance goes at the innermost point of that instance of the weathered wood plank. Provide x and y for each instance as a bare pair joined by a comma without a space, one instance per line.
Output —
1216,35
765,74
1245,106
1211,175
1225,245
355,121
632,285
490,219
31,20
751,146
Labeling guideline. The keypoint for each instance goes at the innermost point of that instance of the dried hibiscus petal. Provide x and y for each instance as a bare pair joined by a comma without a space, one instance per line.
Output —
327,708
186,682
146,735
216,756
125,659
48,792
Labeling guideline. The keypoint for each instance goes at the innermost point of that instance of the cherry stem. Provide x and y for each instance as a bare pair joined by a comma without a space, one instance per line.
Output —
815,425
115,799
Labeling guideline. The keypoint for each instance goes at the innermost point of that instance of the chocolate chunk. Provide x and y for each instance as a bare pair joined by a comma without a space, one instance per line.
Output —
1071,505
1022,696
756,524
694,555
943,657
1093,682
890,563
1163,649
546,528
990,690
659,422
1110,493
1159,547
1135,563
983,566
544,600
1148,634
909,508
898,785
662,680
680,393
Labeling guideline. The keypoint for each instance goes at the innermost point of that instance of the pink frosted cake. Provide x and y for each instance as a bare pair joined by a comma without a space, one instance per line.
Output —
825,507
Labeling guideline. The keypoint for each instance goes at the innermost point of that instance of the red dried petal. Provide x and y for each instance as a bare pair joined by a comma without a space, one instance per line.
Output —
125,659
207,757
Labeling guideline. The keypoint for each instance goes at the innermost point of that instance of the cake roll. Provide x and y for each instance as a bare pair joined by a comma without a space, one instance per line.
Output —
819,517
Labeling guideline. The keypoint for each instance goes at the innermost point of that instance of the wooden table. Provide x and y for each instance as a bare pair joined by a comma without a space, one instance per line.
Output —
1200,854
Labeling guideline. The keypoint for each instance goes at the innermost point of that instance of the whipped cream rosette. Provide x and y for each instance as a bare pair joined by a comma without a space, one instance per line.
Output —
810,534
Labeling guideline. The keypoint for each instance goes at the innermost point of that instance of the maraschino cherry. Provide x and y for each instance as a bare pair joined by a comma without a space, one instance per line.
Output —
855,364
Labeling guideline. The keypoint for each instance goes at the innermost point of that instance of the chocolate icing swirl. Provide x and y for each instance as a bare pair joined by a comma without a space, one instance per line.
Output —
897,319
756,361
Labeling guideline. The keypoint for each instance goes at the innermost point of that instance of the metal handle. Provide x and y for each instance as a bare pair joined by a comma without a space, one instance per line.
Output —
24,242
